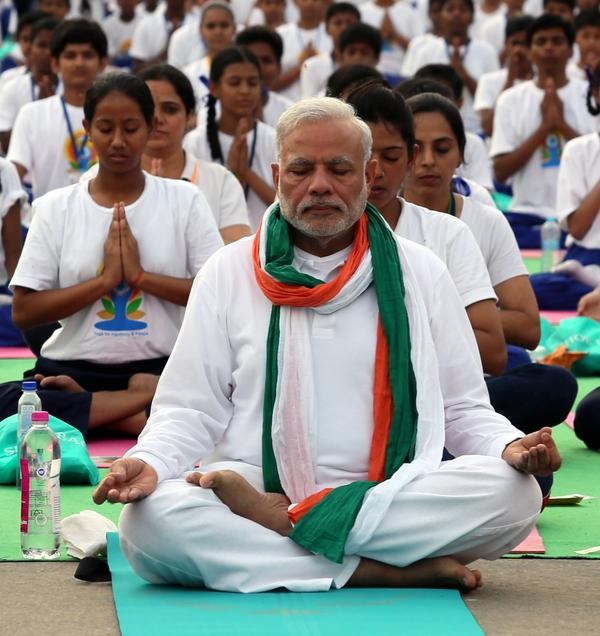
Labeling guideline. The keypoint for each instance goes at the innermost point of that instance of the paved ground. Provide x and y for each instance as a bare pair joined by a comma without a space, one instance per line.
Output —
521,597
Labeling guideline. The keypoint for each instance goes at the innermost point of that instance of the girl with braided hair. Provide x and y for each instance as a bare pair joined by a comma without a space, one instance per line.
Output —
235,137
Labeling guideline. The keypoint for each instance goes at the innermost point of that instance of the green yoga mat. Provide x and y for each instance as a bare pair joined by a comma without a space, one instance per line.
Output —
566,529
147,609
73,499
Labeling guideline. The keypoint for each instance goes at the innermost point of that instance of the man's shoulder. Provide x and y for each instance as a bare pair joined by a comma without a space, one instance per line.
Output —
515,95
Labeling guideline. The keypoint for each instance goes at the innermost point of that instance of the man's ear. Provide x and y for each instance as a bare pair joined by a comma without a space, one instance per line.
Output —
275,173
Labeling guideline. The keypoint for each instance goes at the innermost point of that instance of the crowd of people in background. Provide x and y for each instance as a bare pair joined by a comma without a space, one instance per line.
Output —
468,102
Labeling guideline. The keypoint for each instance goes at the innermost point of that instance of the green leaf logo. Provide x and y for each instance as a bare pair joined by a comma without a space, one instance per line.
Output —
108,306
134,305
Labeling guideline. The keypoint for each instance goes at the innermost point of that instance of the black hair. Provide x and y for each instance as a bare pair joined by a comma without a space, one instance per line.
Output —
353,74
178,80
130,85
469,3
261,34
569,3
223,59
216,4
516,24
550,21
419,85
29,18
433,103
444,74
593,86
79,31
586,19
363,33
341,7
45,24
377,104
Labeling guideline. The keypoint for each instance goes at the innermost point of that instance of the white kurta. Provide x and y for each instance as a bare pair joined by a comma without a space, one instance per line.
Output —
208,407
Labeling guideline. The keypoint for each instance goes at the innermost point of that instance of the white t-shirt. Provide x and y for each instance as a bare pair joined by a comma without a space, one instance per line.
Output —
176,233
222,190
516,117
315,73
11,73
450,240
493,31
496,240
276,105
14,95
482,19
295,40
574,71
151,34
11,192
41,143
579,172
186,45
198,73
489,87
477,166
196,143
405,20
412,55
478,58
119,33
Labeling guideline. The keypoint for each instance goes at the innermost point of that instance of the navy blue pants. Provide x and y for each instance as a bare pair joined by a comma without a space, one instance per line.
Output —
561,292
74,408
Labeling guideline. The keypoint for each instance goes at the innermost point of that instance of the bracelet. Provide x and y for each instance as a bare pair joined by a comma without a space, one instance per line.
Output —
137,279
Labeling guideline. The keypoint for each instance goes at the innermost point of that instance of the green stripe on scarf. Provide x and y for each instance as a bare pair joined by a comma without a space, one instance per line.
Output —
325,528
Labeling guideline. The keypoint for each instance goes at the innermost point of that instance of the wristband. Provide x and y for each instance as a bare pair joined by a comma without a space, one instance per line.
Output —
137,279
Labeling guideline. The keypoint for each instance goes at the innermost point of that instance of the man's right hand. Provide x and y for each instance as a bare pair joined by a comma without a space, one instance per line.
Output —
129,480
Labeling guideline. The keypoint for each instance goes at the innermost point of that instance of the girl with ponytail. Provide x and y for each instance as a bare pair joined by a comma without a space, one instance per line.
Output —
234,137
577,207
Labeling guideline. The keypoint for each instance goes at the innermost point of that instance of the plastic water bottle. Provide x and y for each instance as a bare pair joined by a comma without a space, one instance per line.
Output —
550,235
40,490
28,403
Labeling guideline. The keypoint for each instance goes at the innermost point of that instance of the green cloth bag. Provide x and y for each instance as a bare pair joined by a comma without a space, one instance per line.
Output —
576,334
76,466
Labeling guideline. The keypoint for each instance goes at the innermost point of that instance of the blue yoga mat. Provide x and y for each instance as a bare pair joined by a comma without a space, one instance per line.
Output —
147,609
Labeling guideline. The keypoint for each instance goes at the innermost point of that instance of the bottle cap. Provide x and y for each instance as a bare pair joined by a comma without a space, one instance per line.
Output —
29,385
39,416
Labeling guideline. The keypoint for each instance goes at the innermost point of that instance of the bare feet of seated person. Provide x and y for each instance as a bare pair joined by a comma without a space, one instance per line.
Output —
270,510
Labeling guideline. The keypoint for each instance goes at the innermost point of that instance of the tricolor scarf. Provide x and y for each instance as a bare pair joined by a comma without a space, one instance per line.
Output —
323,519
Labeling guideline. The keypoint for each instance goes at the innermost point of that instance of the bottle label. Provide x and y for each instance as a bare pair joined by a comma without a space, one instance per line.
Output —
40,498
24,496
25,419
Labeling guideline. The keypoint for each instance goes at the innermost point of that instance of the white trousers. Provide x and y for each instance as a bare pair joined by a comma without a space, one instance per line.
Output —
471,507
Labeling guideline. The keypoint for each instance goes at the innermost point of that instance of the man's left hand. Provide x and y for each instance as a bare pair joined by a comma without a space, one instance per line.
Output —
535,453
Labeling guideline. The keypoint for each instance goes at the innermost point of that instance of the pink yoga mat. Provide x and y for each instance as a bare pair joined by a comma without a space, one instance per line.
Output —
531,253
15,352
532,544
570,419
556,316
104,451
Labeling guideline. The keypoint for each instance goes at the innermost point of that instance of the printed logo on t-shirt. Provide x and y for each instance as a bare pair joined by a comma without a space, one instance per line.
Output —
87,155
122,310
552,150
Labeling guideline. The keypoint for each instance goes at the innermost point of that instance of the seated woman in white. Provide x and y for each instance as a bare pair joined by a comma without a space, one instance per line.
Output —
113,260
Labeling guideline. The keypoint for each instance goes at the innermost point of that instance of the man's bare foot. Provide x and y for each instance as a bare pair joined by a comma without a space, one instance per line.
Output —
58,382
443,571
267,509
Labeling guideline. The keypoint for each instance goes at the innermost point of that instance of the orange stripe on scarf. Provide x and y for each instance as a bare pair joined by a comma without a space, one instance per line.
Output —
296,296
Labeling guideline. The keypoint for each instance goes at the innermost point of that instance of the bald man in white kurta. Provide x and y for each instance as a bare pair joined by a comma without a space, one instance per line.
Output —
208,408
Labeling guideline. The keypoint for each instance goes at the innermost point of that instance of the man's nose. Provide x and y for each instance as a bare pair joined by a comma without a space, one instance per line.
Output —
320,181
